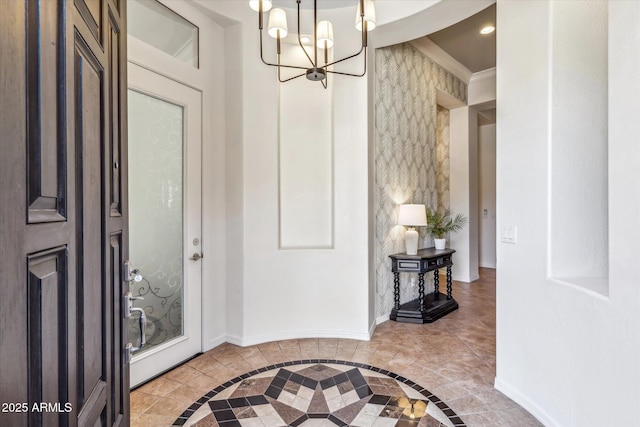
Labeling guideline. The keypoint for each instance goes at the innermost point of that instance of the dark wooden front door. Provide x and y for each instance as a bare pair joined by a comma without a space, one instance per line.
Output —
63,214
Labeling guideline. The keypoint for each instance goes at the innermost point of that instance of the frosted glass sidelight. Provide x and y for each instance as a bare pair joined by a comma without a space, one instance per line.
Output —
156,215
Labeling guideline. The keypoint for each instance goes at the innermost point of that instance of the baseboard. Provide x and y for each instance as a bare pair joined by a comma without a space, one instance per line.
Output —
487,265
382,319
465,279
235,340
293,335
526,403
372,328
215,342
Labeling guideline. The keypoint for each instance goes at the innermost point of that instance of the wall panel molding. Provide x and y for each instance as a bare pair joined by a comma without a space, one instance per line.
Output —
305,166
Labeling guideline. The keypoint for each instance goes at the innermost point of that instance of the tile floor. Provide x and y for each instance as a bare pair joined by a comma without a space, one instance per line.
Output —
320,393
454,358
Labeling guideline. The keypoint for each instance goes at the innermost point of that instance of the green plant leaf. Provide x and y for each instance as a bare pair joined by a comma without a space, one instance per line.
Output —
439,225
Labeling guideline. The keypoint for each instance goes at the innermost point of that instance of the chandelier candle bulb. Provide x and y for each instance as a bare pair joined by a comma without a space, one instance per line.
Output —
369,15
325,38
278,24
325,34
255,5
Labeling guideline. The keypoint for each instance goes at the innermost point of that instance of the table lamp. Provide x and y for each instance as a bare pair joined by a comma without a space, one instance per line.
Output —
412,216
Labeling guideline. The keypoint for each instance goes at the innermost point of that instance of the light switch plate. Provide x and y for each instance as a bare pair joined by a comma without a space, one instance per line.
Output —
509,234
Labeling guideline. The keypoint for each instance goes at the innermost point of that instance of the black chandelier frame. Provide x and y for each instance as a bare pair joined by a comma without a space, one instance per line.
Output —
315,72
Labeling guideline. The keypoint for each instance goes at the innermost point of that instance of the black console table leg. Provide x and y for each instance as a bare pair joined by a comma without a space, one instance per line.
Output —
421,291
396,290
427,307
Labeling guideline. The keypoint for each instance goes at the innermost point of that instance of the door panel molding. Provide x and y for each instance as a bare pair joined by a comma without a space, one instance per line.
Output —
46,107
47,314
91,13
115,115
61,287
117,287
90,291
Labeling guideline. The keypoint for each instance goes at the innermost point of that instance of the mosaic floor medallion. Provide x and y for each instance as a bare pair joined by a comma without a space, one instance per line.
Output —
316,393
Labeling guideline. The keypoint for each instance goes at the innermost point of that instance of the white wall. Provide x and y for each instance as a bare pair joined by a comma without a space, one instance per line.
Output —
567,355
482,88
324,290
305,166
234,185
327,290
487,196
463,190
482,96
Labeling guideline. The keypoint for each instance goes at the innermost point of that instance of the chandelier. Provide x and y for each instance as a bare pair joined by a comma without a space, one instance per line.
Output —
322,39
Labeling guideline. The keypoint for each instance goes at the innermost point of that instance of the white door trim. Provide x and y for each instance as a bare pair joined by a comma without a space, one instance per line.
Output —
167,355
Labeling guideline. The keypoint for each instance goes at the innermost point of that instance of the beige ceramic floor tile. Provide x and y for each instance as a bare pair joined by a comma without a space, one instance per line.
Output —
453,357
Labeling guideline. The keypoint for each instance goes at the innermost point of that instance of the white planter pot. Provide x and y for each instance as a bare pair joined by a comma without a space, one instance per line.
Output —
440,243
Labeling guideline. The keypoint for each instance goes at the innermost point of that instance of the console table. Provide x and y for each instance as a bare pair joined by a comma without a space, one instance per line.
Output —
426,308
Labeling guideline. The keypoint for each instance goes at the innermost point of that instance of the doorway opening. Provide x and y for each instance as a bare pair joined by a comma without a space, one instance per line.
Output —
426,150
165,193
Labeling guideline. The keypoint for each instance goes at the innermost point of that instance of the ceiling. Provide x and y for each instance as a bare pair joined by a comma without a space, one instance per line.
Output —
477,52
465,44
307,4
462,41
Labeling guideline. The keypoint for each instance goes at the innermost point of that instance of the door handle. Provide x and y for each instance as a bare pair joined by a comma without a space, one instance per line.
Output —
142,321
196,256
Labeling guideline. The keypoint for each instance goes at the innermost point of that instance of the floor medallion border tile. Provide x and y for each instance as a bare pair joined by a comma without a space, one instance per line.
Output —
450,413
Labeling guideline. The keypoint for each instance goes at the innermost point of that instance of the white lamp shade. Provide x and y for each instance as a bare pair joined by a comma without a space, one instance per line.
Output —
412,215
325,34
369,15
278,22
255,5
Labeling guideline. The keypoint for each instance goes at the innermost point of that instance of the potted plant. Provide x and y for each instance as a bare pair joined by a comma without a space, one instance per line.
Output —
439,225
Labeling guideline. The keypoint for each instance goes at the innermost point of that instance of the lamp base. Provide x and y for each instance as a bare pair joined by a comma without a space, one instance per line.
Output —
411,241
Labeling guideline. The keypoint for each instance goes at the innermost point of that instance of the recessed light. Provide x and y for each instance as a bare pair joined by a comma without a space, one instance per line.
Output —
305,39
487,29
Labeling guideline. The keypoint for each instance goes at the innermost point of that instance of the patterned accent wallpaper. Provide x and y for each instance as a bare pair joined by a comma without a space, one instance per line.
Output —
442,158
406,155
